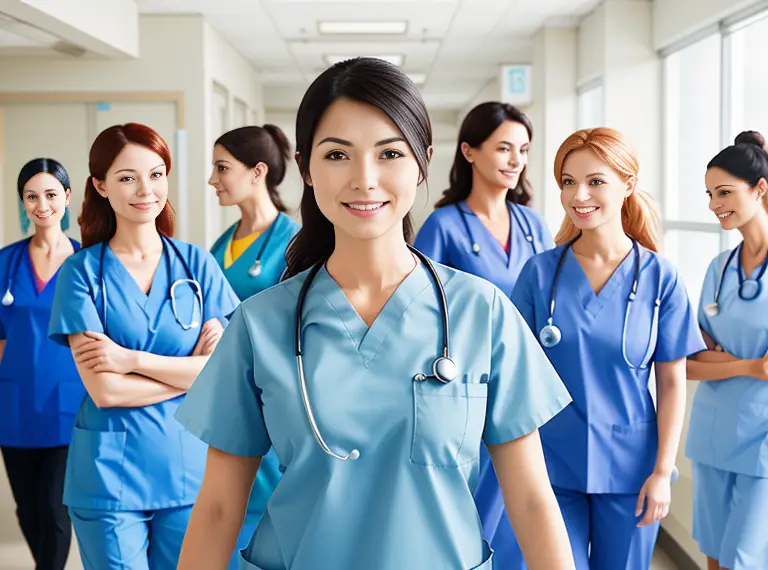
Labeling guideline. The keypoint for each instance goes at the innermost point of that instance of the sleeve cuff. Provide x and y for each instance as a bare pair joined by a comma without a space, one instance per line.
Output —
534,422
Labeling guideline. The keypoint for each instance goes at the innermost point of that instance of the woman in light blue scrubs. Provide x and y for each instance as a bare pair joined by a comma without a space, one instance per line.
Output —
403,369
141,312
607,308
248,165
728,433
483,225
40,391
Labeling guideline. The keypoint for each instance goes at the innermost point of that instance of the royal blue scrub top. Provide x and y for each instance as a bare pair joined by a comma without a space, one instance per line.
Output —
269,248
132,459
444,238
607,441
40,389
729,418
407,501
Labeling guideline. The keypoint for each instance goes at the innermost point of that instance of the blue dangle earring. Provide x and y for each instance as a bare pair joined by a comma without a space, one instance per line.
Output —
23,219
65,220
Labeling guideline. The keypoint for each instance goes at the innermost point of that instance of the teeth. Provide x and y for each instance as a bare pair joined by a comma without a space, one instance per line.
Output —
586,210
723,216
362,207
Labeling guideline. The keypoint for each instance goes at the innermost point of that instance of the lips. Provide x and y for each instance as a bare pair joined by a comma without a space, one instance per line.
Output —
144,205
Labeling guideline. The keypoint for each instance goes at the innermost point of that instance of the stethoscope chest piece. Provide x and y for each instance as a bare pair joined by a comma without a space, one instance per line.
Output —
749,289
7,298
445,369
712,309
550,336
475,247
255,269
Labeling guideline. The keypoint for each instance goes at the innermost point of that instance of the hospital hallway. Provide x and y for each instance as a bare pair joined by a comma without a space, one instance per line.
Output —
15,556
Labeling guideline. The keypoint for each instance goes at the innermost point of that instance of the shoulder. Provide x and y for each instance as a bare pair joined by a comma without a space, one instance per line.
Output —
286,224
223,238
12,250
668,276
530,214
196,256
464,289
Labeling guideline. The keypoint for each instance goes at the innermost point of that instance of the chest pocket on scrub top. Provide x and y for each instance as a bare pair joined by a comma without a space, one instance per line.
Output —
448,422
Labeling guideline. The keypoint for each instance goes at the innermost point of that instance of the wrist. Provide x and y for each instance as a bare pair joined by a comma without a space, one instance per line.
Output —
136,361
663,471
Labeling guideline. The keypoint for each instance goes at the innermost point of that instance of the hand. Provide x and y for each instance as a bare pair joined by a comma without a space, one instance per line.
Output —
759,368
658,494
102,354
210,335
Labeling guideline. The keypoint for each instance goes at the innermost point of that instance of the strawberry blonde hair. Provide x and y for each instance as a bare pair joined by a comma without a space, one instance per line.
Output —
639,216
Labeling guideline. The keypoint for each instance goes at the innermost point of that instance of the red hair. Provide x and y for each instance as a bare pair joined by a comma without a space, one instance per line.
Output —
97,220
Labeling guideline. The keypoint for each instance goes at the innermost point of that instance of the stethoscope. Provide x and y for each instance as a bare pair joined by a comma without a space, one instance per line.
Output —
255,269
749,289
13,270
550,335
515,214
443,368
171,290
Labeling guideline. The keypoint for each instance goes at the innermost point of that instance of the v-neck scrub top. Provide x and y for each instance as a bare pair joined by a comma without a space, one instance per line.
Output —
140,458
406,503
40,389
607,441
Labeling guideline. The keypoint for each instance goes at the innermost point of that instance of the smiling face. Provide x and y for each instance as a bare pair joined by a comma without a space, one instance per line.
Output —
45,200
731,199
136,185
233,180
592,193
362,171
501,158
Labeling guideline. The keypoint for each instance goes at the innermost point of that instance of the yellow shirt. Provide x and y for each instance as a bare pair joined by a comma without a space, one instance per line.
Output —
237,247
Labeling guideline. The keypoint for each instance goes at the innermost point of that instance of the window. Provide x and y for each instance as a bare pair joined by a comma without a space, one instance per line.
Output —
692,99
590,113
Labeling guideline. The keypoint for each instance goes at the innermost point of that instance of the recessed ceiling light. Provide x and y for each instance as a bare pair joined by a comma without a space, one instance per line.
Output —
362,27
396,60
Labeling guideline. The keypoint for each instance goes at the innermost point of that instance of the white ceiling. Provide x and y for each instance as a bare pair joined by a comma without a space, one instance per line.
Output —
458,44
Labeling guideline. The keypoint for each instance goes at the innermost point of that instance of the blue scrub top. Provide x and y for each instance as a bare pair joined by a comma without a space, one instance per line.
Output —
729,418
40,389
407,501
443,237
276,238
125,459
607,441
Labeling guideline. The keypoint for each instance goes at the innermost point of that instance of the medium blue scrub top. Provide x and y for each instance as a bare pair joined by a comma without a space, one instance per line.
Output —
607,441
125,459
407,501
444,238
729,418
276,238
40,389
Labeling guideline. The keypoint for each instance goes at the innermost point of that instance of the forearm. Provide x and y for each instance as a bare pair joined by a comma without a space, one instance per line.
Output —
531,504
175,371
670,419
110,390
211,536
711,369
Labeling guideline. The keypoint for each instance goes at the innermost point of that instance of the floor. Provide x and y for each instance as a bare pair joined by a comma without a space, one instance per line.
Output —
15,556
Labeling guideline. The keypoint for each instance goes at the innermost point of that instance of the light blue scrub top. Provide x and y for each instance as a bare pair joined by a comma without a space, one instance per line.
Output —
443,237
607,441
40,389
132,459
276,237
729,418
407,501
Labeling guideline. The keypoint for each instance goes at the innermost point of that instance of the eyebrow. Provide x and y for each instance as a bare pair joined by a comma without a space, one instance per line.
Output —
348,143
221,160
132,170
724,186
588,175
30,190
512,144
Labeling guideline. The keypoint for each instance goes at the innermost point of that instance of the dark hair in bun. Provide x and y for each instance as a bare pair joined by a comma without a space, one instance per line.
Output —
745,159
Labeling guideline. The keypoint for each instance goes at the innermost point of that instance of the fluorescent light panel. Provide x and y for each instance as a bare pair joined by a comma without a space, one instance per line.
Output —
396,60
362,27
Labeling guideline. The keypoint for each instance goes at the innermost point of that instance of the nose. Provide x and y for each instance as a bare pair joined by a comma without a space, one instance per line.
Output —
714,204
582,193
365,175
213,178
144,187
515,158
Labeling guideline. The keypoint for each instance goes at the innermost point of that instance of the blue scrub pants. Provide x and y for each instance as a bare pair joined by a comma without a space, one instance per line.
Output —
130,540
729,517
603,531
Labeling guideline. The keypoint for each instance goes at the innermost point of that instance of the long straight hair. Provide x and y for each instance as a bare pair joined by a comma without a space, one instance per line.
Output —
97,220
367,80
639,216
476,128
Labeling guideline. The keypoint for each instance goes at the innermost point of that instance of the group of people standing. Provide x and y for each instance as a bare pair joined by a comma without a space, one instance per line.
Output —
330,396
